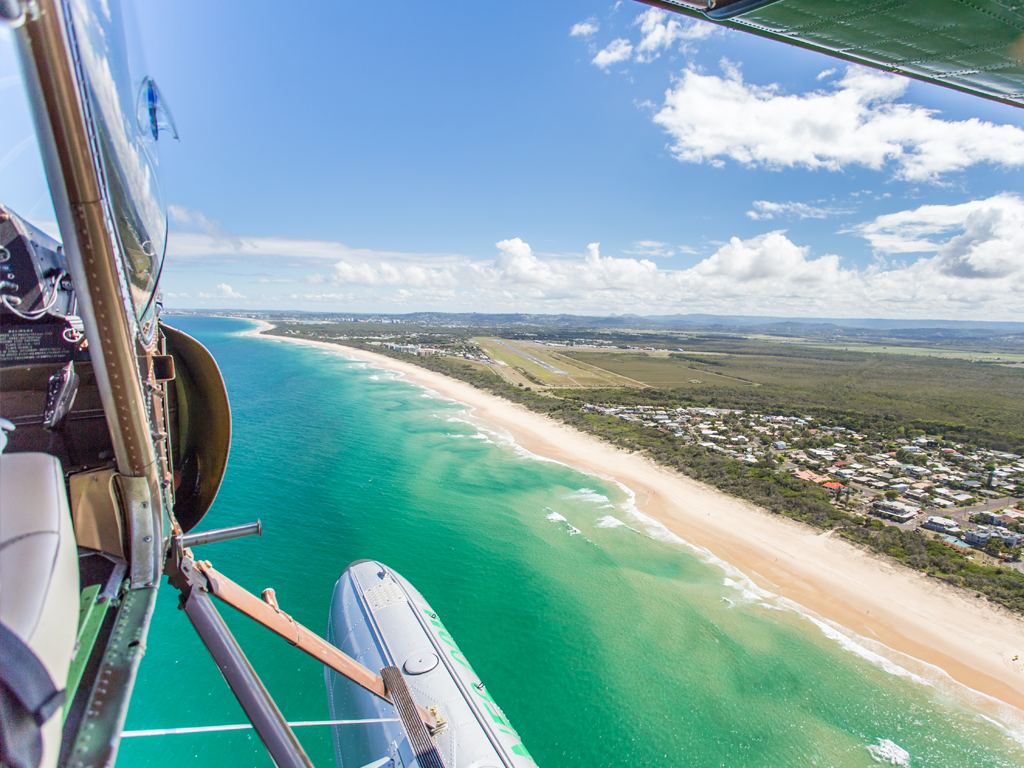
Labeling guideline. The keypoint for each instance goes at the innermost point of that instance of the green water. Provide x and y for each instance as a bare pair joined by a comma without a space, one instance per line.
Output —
613,646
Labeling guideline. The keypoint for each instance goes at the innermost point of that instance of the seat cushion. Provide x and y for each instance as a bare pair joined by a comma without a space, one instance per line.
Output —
39,587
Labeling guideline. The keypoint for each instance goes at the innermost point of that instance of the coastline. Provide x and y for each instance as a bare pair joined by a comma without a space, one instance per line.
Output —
882,603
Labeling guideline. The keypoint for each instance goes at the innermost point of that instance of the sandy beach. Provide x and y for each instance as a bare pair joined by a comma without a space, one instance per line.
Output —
918,622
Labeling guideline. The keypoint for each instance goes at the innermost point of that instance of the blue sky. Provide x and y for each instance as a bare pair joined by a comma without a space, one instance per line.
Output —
585,157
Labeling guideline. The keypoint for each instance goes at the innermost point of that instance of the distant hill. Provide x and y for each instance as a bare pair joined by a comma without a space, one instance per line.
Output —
936,330
809,322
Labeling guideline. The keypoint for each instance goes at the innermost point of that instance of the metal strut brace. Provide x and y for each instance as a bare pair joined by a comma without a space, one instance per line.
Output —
273,618
259,707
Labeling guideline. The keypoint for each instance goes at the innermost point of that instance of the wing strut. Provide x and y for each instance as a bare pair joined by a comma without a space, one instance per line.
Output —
197,580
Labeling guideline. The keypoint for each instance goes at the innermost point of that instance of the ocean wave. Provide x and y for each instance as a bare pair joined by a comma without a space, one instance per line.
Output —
557,518
886,751
749,592
588,494
476,436
610,521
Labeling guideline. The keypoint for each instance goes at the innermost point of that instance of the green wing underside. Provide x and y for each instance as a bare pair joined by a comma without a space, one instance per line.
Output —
975,46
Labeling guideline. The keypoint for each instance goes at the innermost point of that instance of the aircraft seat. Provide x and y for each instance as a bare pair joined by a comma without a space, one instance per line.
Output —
39,600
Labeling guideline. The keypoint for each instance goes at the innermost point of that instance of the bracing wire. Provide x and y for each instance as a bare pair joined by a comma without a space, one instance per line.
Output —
244,727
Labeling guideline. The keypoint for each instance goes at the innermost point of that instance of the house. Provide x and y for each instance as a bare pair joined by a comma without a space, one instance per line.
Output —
896,510
985,533
942,525
812,477
980,537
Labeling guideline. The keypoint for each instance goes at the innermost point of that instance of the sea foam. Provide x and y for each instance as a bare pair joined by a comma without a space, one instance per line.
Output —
886,751
557,518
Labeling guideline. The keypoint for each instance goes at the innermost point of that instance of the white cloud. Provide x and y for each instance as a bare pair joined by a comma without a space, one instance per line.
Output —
659,32
653,248
764,210
988,243
971,267
585,28
826,73
224,291
184,247
386,274
618,50
766,259
858,122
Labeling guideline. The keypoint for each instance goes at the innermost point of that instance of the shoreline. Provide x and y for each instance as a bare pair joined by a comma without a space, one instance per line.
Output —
926,622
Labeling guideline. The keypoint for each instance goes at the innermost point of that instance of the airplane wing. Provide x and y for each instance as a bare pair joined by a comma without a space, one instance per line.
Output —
974,46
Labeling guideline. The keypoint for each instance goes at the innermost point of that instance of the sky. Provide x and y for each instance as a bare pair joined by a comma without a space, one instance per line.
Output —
580,157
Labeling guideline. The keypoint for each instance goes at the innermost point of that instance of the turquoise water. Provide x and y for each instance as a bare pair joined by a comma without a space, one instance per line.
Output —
606,644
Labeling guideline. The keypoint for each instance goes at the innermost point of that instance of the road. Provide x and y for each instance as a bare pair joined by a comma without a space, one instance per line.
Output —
961,514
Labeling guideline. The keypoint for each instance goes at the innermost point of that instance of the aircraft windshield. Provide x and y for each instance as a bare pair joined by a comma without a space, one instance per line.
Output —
124,110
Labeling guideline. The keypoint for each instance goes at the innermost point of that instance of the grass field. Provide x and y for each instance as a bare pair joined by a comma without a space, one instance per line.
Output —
1005,358
911,387
655,369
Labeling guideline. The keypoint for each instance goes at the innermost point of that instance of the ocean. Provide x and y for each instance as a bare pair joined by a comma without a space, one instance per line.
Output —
606,640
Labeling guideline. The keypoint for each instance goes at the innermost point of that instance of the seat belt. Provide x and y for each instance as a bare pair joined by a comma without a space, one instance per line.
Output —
29,699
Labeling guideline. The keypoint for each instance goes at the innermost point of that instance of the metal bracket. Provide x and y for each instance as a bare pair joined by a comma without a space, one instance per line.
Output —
145,534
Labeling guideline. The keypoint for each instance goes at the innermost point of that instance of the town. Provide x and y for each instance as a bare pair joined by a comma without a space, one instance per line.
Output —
967,497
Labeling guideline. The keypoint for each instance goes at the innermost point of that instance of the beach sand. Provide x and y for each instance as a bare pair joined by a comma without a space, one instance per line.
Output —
884,603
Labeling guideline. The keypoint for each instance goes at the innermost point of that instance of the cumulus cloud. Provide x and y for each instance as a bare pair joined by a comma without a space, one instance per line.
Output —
969,265
617,50
767,274
224,291
768,259
661,32
765,209
585,28
988,243
858,122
